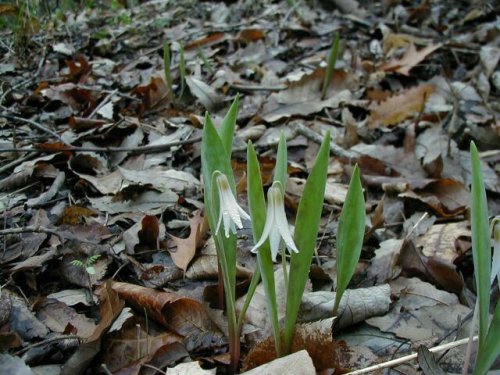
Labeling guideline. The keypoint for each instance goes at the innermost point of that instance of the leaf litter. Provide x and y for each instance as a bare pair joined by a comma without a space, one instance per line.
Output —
100,157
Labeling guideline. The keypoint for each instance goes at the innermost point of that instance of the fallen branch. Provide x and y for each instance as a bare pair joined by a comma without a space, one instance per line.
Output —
408,358
33,124
31,229
316,138
133,150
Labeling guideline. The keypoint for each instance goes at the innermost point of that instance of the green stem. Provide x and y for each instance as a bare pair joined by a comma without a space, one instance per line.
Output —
251,290
229,290
283,262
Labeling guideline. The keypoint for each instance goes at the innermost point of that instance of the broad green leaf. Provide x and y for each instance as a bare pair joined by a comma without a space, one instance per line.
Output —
306,232
350,235
257,208
332,59
491,349
214,158
280,171
481,252
228,124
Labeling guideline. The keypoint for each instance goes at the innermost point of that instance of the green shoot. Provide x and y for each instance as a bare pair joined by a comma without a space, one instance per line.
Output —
168,73
306,231
350,235
480,243
182,70
332,59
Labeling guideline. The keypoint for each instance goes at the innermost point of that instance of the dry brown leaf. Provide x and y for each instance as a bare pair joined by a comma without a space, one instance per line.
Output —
303,97
182,315
447,197
400,107
410,59
186,247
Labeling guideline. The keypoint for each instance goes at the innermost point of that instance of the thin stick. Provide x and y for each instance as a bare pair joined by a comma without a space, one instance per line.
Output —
34,124
134,150
315,137
48,341
31,229
16,162
410,357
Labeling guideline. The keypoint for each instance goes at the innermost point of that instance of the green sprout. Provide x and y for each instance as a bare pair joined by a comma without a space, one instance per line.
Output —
489,344
332,59
88,265
168,73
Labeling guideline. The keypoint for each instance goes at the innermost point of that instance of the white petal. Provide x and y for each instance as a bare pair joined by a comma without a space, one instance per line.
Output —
275,242
265,232
284,230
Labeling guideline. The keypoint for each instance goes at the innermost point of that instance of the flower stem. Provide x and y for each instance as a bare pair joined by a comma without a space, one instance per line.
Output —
283,262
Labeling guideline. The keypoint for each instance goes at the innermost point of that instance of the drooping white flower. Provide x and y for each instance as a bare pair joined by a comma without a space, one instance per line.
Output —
276,227
230,213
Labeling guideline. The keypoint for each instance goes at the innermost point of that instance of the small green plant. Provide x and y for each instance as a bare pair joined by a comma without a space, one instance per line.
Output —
489,344
332,59
88,265
270,228
168,73
167,62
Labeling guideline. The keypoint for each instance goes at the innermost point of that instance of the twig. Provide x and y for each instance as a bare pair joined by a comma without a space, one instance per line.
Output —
47,341
15,163
103,103
315,137
31,229
134,150
411,357
32,123
240,87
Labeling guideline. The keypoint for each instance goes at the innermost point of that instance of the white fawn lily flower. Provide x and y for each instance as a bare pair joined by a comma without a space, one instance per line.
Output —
230,212
276,227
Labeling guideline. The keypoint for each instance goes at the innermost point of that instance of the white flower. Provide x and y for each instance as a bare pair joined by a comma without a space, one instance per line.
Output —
230,212
276,226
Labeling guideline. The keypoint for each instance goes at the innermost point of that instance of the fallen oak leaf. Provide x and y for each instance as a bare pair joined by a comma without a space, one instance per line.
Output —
400,107
182,315
186,247
409,60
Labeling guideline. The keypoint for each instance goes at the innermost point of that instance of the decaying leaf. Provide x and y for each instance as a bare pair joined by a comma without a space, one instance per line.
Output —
356,305
400,107
181,315
186,247
304,97
409,60
422,312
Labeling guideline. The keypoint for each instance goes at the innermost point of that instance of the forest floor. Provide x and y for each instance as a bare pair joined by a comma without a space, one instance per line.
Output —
105,257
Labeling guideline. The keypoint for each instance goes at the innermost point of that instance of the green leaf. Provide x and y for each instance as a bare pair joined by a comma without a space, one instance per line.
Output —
228,124
214,158
350,235
166,67
257,208
306,232
280,171
332,59
491,349
90,270
182,70
481,246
